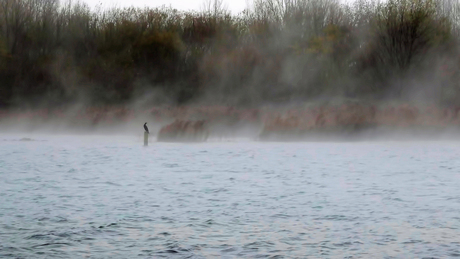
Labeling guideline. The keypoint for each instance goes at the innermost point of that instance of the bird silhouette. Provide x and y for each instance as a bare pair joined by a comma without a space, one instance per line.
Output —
146,129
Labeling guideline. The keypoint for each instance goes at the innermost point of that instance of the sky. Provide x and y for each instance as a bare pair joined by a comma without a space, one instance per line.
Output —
235,6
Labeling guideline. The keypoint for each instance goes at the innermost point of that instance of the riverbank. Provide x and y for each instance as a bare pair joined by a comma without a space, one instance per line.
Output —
266,123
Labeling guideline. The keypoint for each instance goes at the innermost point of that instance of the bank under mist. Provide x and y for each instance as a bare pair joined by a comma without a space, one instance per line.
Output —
341,121
283,67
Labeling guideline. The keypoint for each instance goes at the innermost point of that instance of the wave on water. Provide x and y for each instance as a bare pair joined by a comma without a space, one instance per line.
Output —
77,197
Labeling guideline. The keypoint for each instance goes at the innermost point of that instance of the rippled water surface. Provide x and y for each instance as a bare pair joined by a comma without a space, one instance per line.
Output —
110,197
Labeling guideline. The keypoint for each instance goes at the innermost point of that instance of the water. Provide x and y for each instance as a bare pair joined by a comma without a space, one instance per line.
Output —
101,197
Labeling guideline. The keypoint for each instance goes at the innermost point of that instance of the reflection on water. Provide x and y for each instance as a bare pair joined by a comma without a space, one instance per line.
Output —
76,197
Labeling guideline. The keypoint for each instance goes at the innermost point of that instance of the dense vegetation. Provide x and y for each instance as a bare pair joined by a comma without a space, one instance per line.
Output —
55,53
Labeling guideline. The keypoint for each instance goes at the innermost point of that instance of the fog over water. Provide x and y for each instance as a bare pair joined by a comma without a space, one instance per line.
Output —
108,196
313,118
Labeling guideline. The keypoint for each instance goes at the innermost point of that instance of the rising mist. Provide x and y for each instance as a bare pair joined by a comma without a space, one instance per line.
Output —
89,66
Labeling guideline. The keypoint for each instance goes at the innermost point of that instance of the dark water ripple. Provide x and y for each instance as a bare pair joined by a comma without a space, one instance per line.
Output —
87,197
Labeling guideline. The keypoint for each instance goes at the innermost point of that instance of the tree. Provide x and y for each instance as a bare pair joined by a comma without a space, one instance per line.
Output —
404,32
214,8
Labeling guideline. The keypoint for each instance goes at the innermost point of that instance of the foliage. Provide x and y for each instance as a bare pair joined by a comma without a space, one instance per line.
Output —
275,51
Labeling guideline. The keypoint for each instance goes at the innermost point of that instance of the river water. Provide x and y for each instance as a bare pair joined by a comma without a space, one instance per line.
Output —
110,197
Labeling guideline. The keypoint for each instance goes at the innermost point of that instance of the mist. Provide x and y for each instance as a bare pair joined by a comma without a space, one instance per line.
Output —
358,88
279,70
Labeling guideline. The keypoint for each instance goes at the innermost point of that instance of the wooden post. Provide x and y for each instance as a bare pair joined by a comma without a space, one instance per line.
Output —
146,138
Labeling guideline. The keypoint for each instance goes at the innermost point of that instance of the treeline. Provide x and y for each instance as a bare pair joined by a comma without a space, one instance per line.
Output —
54,53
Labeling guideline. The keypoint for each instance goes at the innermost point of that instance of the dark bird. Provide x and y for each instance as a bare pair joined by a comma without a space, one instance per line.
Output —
145,127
